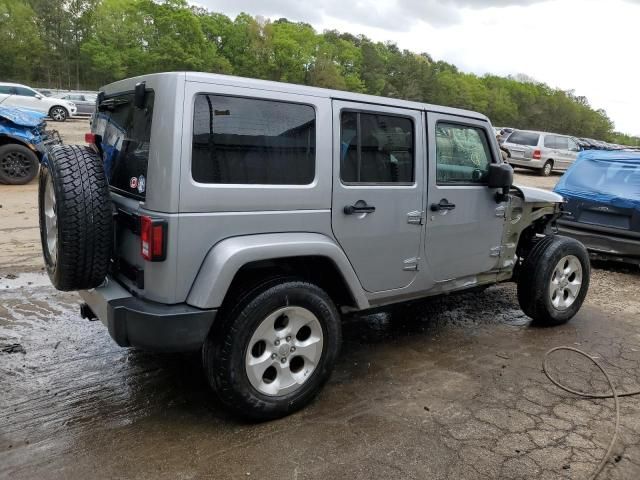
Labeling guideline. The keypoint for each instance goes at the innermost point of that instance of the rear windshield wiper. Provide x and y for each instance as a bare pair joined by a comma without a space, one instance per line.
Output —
112,103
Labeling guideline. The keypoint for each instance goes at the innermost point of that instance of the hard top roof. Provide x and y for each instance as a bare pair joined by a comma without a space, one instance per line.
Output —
230,80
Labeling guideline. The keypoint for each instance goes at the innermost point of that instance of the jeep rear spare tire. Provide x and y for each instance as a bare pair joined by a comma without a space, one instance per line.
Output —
76,221
553,280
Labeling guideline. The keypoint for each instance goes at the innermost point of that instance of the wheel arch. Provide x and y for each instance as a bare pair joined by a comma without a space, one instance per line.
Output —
10,139
248,259
66,109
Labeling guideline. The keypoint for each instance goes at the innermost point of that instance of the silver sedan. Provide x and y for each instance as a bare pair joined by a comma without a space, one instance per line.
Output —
85,102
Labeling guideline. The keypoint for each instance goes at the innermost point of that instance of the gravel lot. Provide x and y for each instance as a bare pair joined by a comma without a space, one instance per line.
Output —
438,389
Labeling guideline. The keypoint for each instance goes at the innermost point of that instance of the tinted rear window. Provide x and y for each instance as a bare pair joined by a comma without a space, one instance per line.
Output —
125,131
524,138
251,141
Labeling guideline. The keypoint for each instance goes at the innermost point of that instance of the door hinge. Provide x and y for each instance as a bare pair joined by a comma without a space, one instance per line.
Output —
496,251
411,264
501,211
416,217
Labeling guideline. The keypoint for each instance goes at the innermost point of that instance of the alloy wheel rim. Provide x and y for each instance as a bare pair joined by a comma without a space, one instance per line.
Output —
547,168
51,221
284,351
57,114
566,282
16,165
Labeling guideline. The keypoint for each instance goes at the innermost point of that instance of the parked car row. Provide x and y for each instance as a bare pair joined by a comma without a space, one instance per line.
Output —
58,107
541,151
85,102
16,95
546,152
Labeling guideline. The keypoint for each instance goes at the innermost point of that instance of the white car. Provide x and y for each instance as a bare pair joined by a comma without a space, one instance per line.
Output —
21,96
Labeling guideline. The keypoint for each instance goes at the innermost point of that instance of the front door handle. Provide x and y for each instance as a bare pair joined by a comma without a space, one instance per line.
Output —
359,207
442,205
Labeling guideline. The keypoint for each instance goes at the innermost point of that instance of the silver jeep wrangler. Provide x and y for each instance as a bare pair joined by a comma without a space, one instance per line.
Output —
241,217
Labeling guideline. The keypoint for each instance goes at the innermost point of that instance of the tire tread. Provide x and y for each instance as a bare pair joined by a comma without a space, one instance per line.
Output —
85,218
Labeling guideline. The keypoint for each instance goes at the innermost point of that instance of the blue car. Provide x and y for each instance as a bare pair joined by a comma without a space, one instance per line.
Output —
602,191
23,141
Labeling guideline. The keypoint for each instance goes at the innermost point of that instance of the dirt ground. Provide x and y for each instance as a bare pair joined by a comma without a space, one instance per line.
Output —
441,389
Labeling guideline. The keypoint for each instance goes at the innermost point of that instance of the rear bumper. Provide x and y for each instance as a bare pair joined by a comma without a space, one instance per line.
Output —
518,162
153,326
606,245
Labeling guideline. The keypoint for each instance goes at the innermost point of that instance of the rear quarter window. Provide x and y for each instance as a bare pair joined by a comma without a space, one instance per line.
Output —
252,141
524,138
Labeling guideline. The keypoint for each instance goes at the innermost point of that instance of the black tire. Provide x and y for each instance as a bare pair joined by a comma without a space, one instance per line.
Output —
546,170
58,113
227,346
18,164
536,273
82,210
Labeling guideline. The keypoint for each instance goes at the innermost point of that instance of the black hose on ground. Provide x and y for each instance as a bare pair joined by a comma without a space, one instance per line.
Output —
614,394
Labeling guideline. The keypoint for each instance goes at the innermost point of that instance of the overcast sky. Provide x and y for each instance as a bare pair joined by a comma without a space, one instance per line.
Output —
590,46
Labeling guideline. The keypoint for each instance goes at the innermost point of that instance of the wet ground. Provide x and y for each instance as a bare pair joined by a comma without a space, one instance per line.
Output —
449,388
442,389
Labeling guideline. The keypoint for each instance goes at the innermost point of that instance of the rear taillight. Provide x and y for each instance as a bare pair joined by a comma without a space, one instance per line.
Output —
537,154
153,236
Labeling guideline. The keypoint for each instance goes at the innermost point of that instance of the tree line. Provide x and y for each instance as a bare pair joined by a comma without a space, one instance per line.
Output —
83,44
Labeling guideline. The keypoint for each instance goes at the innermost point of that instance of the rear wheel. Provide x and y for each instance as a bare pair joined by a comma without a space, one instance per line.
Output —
18,164
554,280
58,113
273,351
547,169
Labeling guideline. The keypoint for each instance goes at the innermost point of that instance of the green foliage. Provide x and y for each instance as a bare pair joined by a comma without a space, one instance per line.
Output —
88,43
20,40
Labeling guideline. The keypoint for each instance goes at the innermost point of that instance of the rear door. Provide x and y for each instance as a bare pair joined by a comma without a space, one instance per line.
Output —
377,191
550,149
465,223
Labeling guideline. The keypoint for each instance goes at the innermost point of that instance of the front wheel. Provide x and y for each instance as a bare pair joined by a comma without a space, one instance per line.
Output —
58,114
271,354
554,280
18,164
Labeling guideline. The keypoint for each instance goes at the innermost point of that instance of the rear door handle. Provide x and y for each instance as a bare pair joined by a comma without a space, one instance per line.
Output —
359,207
442,205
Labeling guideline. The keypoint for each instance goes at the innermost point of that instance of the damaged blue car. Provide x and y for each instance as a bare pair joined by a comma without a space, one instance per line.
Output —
602,210
23,141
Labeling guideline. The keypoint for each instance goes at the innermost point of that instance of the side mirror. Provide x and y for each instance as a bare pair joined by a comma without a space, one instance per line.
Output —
500,176
38,96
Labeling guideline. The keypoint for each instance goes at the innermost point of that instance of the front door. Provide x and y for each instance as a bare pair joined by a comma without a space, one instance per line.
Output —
377,194
464,221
